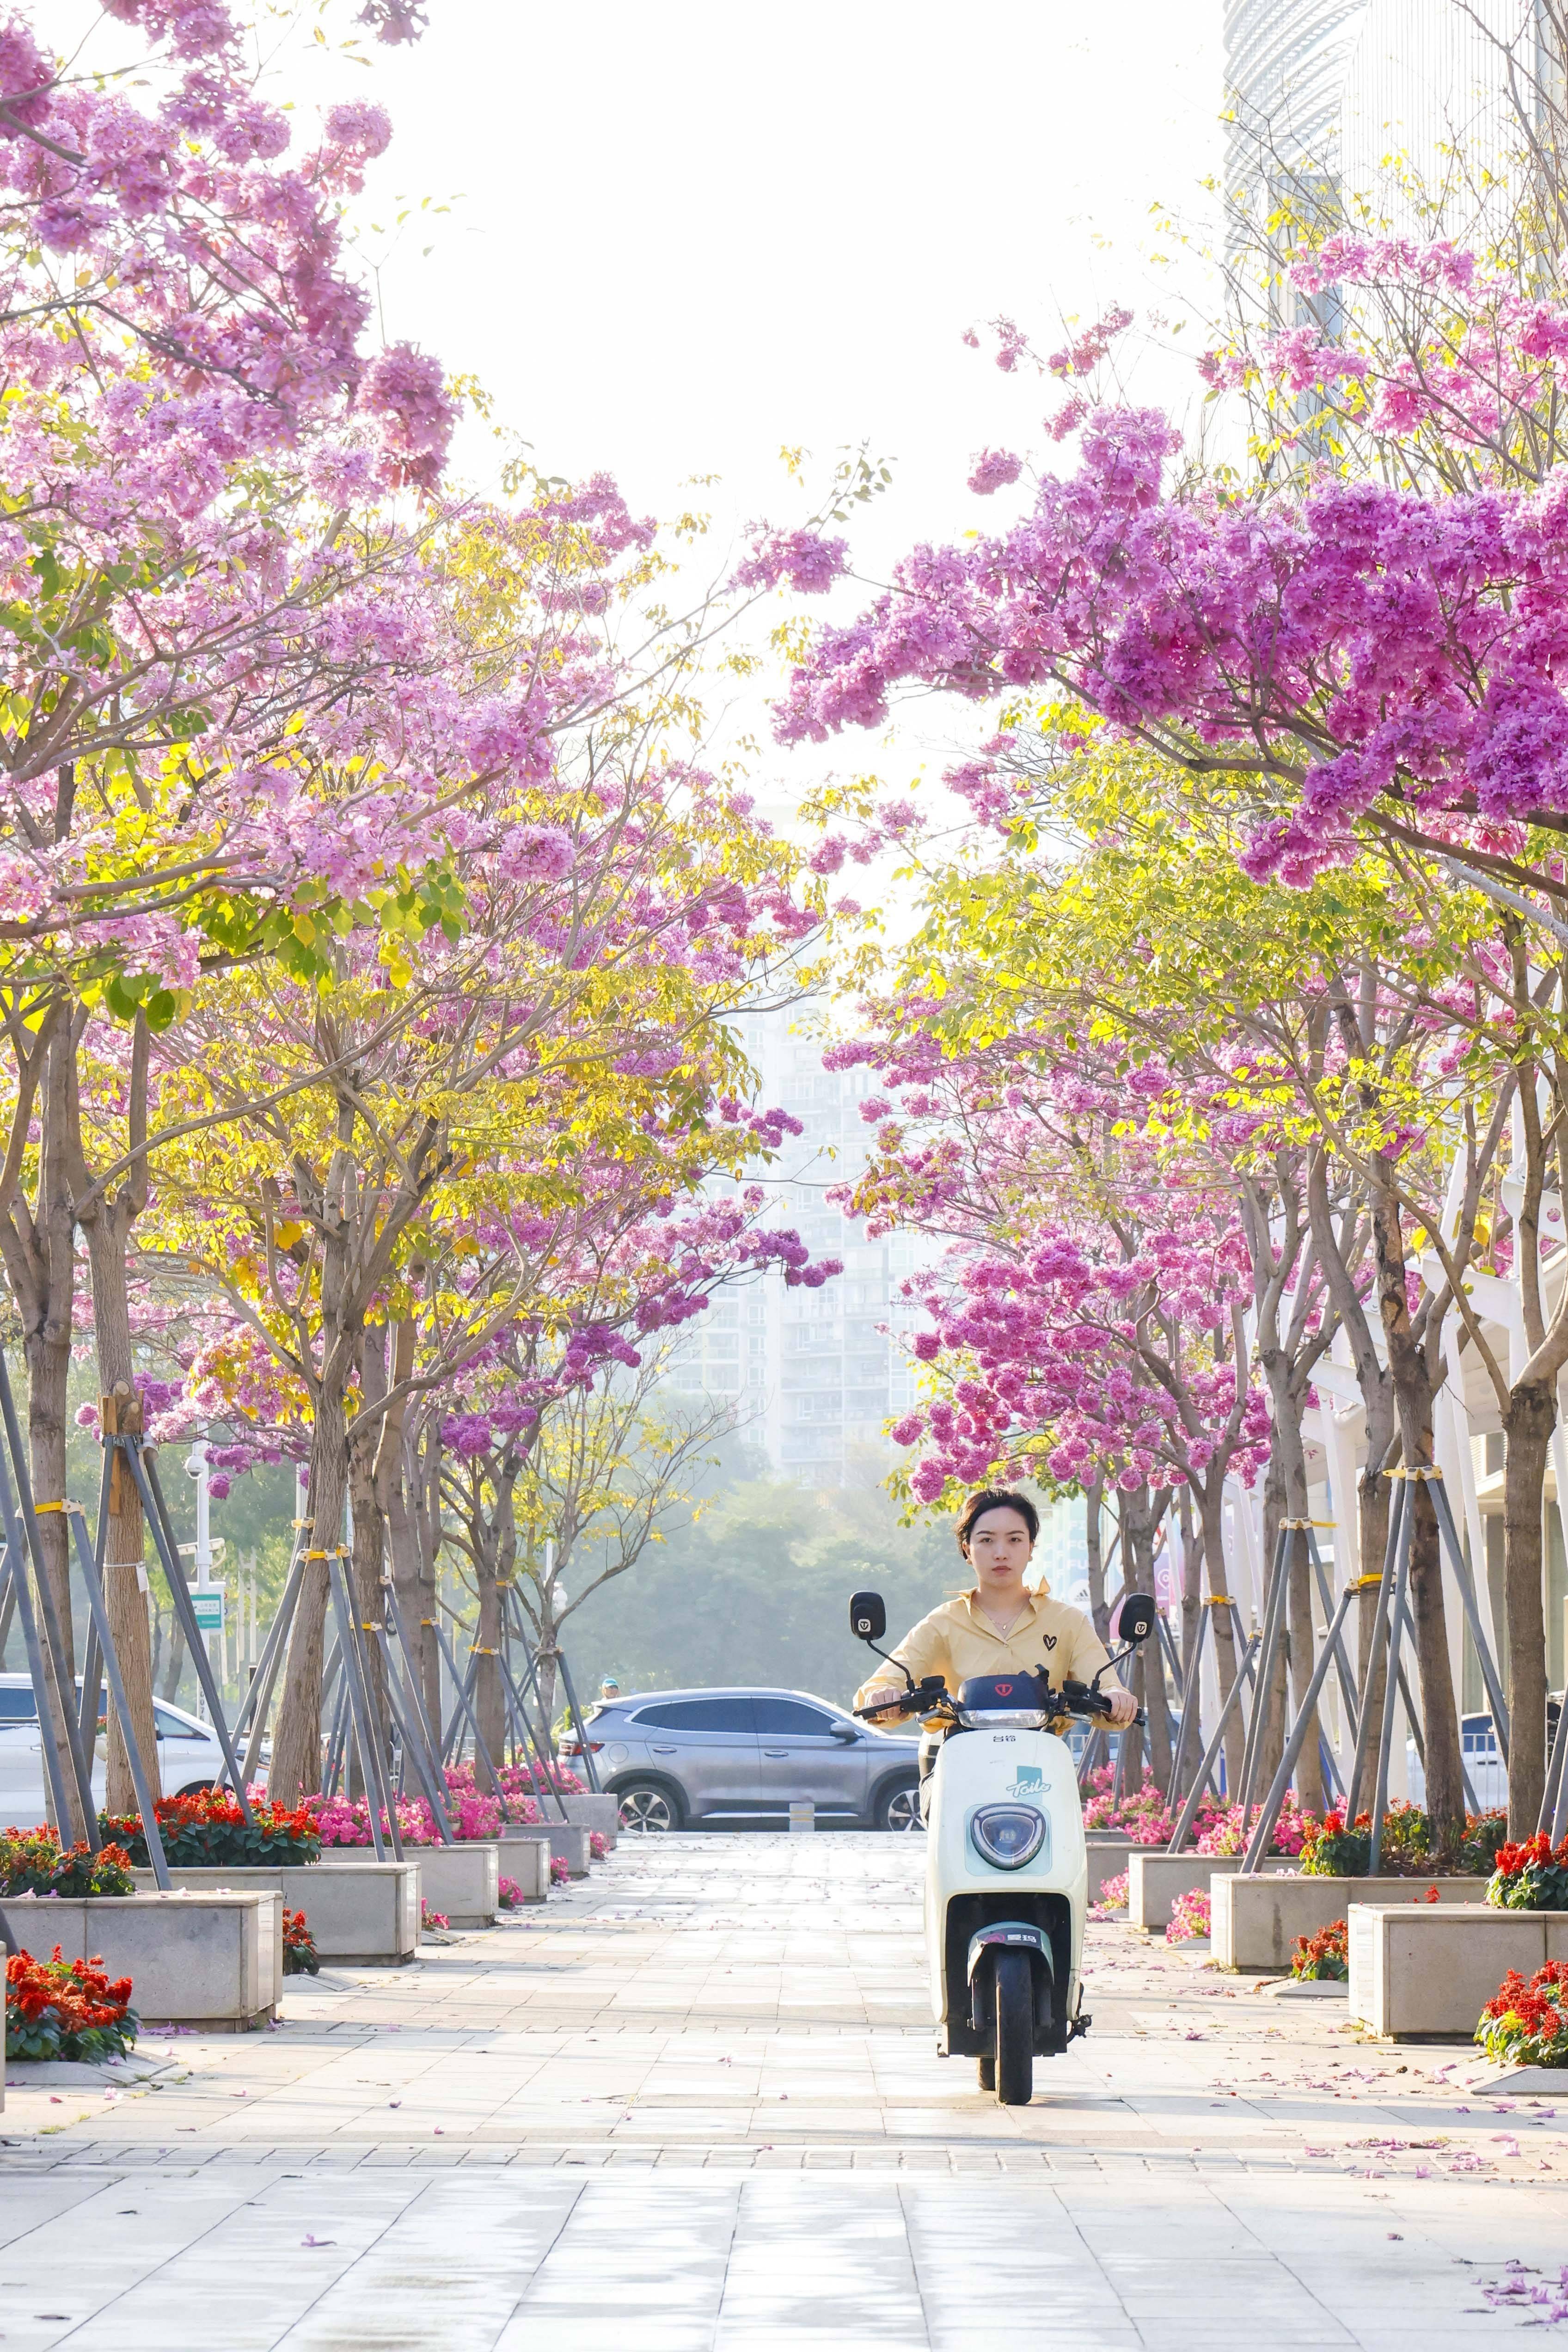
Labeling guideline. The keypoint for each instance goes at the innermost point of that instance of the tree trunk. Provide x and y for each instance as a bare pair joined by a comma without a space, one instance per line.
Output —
106,1219
170,1686
1132,1738
124,1593
366,1567
369,1605
296,1771
1094,1503
427,1527
1142,1512
1528,1425
1372,1500
489,1700
415,1603
44,1297
1286,1498
1191,1625
1211,1504
1413,1393
1276,1698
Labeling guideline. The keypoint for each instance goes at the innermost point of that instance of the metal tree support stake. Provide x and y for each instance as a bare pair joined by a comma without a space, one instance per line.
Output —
1397,1536
403,1683
1245,1668
1189,1687
581,1728
140,1779
1262,1836
1465,1582
145,1471
377,1803
92,1663
257,1701
1551,1820
540,1737
464,1708
1273,1632
14,1581
1397,1619
61,1665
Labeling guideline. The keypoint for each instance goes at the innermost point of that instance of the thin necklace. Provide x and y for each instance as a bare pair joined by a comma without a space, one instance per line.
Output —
996,1622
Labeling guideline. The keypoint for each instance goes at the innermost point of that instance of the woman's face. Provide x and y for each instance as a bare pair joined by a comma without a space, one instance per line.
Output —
999,1546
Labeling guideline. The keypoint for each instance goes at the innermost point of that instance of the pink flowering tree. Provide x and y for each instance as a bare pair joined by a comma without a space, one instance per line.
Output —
1102,1341
1328,661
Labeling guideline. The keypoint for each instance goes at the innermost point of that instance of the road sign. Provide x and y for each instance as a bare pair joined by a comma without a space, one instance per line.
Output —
206,1599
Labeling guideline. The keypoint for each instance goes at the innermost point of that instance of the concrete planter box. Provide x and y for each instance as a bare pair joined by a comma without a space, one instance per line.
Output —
1257,1919
1416,1971
526,1862
565,1839
204,1959
590,1812
460,1881
365,1913
1107,1855
1156,1880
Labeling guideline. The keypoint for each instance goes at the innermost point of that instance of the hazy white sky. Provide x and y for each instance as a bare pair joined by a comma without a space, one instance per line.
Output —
683,236
690,233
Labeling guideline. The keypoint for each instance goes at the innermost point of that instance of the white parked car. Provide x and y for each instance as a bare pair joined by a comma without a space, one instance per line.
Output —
1483,1763
189,1757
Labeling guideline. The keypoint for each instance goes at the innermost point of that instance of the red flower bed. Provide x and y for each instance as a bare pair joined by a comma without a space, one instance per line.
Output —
209,1831
1323,1957
33,1863
60,2008
1531,1876
301,1958
1527,2024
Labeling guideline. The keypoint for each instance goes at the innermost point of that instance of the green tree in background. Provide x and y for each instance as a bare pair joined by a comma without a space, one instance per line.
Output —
754,1588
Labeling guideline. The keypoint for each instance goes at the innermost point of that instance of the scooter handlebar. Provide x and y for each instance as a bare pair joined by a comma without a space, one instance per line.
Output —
932,1694
925,1696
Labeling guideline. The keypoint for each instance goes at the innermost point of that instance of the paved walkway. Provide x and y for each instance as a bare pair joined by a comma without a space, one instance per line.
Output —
696,2101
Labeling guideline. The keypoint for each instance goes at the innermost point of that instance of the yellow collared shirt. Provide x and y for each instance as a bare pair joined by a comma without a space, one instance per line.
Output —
959,1640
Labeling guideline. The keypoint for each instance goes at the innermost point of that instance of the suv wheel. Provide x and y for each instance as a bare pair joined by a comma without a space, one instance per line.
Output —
647,1805
899,1807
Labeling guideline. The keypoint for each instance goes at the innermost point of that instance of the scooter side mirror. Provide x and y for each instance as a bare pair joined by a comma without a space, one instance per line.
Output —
1135,1619
868,1618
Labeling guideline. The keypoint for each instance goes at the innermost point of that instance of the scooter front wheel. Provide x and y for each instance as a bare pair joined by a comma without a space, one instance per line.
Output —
1014,2030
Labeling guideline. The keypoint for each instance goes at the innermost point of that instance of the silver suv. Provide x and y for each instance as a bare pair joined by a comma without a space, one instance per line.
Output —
678,1757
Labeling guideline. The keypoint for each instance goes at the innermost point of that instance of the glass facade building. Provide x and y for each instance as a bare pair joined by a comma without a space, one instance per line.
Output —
812,1375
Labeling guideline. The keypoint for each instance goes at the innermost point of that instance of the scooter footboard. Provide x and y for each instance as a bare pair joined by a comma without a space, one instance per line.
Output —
966,2028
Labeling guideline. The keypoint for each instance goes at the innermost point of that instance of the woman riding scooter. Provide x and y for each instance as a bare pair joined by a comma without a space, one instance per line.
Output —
1001,1625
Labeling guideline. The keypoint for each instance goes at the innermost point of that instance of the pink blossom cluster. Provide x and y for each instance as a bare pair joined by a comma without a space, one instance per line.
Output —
1226,1832
345,1821
1077,1331
1189,1917
1143,1814
1345,646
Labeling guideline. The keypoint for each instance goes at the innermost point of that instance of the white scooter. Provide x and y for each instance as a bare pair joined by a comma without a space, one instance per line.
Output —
1006,1868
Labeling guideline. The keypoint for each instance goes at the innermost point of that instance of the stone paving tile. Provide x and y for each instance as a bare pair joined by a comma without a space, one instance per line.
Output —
710,2028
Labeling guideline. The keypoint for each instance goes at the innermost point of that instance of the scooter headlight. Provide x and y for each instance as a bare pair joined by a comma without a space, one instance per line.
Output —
1008,1835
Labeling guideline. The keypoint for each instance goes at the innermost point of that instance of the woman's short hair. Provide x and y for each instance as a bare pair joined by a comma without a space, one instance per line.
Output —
992,1498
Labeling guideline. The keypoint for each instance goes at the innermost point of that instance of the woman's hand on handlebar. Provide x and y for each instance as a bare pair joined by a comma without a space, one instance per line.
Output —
1124,1710
885,1699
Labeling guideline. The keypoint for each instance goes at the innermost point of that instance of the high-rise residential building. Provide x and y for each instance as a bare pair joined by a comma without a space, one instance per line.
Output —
1061,1554
812,1374
1285,65
1376,109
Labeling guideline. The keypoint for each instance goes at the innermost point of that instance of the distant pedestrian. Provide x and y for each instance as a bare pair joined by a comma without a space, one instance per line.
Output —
608,1689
